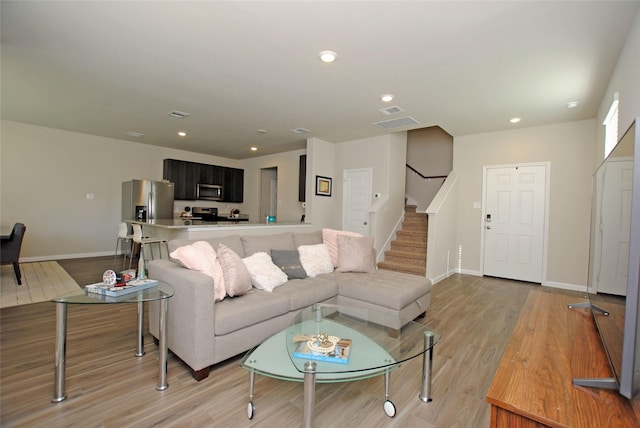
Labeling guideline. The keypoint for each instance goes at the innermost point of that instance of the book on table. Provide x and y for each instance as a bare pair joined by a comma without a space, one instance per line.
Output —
132,286
339,354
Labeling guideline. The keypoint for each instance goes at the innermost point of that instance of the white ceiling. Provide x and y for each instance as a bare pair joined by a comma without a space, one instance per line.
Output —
107,68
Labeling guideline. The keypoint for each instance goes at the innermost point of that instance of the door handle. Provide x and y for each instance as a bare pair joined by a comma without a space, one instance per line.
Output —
365,223
488,227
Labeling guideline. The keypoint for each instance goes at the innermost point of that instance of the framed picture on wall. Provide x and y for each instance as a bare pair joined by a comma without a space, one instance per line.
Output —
323,186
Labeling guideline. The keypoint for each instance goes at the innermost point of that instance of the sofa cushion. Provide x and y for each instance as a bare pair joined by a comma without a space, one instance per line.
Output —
307,238
254,244
201,257
355,254
253,308
304,292
237,280
315,259
384,288
289,262
330,237
264,274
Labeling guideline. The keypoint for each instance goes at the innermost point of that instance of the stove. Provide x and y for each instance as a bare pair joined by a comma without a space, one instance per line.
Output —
205,213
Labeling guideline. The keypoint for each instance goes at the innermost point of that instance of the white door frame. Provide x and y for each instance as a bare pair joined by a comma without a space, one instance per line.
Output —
545,244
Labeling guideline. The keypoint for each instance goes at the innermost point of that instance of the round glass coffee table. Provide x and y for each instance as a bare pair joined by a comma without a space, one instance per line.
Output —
332,343
160,294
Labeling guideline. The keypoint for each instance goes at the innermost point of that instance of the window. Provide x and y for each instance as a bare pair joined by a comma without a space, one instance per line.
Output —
611,127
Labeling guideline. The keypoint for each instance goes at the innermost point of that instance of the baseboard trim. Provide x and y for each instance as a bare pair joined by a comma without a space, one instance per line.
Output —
64,256
565,286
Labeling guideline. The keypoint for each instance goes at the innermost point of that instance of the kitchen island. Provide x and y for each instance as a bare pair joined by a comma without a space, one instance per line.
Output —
186,228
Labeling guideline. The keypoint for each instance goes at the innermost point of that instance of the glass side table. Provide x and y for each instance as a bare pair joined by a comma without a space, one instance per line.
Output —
159,294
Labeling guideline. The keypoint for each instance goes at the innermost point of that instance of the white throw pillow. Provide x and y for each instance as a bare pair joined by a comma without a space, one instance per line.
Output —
264,274
315,259
201,256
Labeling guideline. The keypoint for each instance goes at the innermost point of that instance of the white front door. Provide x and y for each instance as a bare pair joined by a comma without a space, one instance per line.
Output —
615,217
356,200
514,221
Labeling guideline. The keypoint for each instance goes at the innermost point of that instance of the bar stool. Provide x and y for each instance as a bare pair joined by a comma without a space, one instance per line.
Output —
123,237
142,241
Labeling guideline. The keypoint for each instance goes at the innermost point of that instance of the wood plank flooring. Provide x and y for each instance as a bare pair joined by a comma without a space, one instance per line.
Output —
107,386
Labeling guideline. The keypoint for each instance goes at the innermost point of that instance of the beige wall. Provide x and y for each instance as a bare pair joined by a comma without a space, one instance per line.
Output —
46,173
430,151
569,148
386,156
289,208
626,83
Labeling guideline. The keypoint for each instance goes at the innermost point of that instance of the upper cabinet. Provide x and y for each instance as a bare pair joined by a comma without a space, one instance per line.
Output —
186,176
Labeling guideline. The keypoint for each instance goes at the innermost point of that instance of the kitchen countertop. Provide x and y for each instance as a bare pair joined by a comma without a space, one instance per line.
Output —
185,223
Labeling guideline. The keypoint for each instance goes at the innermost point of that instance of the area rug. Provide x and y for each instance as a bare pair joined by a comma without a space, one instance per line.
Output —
41,281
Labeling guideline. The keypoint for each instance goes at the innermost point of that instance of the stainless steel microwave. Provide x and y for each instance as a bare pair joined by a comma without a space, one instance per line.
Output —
209,192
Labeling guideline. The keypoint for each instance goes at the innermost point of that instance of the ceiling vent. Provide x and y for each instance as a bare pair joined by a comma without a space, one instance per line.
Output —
390,110
397,123
300,131
179,114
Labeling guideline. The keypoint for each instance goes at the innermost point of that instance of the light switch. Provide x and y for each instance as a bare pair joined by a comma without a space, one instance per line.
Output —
90,196
476,205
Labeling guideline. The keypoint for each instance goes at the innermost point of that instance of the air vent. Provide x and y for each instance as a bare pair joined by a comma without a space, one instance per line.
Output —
390,110
134,134
179,114
300,131
397,123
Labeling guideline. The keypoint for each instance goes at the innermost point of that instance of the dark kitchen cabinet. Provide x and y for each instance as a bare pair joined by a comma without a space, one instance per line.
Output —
233,185
211,174
302,179
186,175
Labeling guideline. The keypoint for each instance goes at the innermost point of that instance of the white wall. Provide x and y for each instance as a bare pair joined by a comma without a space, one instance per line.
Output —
569,147
321,210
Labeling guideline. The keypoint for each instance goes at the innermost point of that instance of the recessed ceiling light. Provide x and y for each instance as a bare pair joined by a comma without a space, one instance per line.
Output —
182,133
135,134
515,119
261,131
386,98
572,104
254,148
328,56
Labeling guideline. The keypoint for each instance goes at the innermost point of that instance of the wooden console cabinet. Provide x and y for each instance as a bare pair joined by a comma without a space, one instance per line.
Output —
551,345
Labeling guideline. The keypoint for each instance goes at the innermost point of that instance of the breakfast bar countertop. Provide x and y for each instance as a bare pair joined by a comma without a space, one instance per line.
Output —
187,223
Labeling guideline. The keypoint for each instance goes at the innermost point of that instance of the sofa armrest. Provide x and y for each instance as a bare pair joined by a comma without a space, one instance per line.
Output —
190,327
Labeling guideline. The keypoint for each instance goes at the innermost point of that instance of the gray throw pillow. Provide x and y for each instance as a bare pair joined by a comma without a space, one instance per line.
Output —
289,262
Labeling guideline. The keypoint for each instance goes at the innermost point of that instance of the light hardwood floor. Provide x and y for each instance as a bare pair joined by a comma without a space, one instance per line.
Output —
107,386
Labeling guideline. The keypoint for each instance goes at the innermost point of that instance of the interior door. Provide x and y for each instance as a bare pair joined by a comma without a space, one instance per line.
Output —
357,200
615,218
514,222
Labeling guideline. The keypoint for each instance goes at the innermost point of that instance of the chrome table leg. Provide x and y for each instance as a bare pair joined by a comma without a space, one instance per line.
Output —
427,362
140,344
309,393
60,353
162,375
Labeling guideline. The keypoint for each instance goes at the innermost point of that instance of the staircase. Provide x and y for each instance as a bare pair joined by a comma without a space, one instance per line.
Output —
408,251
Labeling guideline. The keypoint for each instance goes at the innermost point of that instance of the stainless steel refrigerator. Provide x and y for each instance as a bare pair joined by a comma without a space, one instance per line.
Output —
145,200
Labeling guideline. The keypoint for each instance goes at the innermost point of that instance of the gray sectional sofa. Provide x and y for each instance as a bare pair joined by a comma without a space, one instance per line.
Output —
203,332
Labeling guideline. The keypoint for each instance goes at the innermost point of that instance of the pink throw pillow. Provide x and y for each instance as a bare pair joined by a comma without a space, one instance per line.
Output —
330,237
200,256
